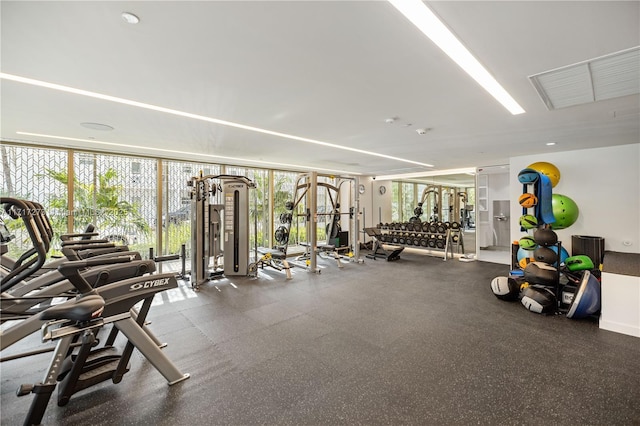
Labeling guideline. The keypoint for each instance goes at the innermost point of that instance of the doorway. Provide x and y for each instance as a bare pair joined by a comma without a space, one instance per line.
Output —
494,217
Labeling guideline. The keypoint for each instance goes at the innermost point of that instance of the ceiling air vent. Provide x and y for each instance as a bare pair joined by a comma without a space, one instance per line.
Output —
606,77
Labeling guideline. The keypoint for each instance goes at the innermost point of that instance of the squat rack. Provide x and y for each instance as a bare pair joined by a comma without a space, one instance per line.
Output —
306,188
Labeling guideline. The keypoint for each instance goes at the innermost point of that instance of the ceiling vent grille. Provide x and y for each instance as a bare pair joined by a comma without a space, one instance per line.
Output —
606,77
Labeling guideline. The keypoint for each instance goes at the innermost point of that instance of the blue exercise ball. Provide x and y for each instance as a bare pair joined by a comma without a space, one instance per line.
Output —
563,253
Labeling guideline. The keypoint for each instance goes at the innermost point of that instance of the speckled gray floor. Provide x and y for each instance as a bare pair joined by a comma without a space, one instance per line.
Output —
418,341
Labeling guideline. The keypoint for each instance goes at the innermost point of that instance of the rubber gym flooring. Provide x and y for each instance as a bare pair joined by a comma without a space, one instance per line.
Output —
417,341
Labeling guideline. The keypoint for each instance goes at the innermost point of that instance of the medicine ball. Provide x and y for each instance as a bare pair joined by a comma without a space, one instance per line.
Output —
527,200
505,288
563,253
540,300
527,243
546,255
586,300
528,221
545,237
541,274
525,261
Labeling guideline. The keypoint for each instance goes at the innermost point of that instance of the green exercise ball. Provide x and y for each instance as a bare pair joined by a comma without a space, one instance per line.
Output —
565,211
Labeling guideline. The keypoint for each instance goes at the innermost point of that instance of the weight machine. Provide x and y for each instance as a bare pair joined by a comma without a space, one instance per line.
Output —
219,226
306,188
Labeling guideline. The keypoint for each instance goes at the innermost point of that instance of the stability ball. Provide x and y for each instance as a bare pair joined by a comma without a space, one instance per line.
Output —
565,210
564,254
548,170
524,254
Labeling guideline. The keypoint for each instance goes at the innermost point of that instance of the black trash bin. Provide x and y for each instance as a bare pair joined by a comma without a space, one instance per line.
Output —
590,246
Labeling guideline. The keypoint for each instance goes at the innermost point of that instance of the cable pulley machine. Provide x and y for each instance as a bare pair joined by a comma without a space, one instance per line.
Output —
219,226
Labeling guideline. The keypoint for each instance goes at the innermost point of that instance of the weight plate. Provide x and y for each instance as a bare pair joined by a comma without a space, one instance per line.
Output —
285,217
282,235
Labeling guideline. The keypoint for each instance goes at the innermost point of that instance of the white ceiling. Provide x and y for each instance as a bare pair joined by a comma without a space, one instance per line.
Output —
327,70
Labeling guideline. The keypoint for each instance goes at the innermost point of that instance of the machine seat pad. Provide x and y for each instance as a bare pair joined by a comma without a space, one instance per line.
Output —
82,309
275,253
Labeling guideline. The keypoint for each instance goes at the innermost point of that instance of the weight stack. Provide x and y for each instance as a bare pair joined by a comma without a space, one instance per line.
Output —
590,246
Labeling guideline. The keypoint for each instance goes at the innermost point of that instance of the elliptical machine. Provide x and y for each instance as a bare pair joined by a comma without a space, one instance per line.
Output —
76,322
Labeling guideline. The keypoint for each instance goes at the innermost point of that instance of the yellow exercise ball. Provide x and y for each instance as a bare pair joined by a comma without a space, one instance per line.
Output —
548,170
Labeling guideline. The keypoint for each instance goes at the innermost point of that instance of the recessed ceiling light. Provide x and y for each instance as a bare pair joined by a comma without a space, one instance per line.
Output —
97,126
550,143
130,18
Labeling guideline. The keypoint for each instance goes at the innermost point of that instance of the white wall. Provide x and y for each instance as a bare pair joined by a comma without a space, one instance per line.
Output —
374,207
382,202
604,183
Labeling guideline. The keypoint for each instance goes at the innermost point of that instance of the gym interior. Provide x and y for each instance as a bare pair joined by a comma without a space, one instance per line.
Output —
318,213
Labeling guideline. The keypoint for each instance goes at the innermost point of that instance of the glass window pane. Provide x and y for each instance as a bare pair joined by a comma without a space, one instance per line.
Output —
39,175
175,222
117,194
408,201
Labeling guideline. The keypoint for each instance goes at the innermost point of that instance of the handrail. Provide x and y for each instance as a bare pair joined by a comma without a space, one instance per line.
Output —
20,209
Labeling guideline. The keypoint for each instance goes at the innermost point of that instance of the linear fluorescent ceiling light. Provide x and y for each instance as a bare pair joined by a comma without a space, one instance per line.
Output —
605,77
427,22
182,154
427,174
198,117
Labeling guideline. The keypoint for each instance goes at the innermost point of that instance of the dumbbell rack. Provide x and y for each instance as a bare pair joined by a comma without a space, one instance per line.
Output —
425,235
